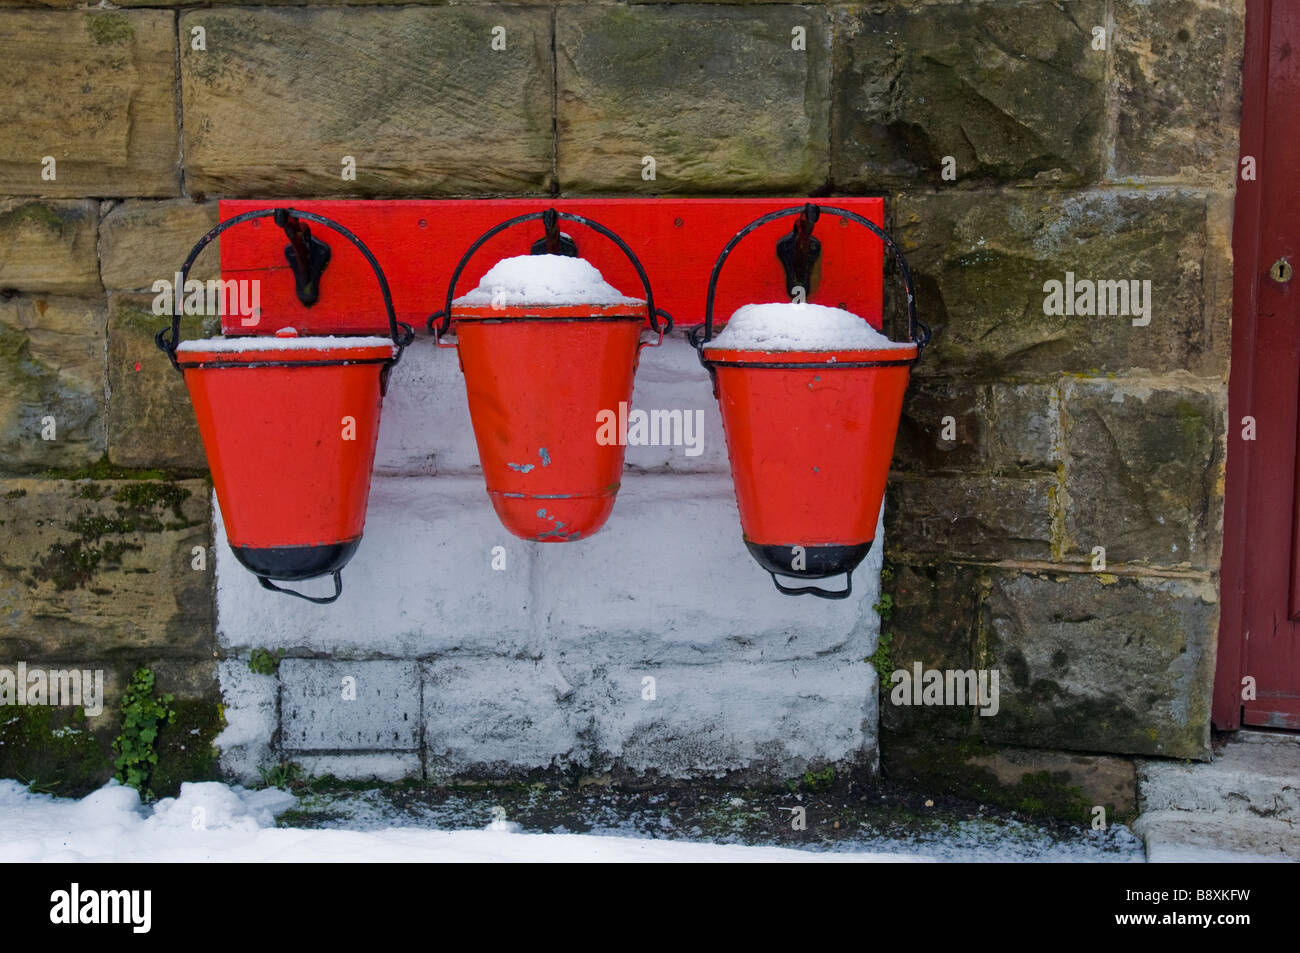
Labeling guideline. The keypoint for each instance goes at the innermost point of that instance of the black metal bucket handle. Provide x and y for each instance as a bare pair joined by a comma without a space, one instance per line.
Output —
443,318
319,600
916,330
167,343
815,590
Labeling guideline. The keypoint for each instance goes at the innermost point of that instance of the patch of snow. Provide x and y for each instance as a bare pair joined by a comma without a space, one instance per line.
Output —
789,326
270,343
215,806
212,822
544,280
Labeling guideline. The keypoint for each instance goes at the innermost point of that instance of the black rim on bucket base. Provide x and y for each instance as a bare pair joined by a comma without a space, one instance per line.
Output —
296,563
820,562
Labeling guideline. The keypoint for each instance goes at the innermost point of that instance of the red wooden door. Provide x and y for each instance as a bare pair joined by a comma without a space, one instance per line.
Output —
1259,636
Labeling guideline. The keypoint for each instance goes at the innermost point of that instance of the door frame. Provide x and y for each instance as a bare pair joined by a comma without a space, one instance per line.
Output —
1246,276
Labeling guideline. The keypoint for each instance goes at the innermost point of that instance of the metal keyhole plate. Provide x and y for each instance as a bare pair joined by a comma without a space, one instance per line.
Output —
1281,271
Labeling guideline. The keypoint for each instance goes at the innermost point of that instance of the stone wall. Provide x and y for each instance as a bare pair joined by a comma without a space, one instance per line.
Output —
1067,432
1072,432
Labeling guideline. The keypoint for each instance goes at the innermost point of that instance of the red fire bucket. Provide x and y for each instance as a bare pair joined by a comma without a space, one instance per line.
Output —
289,425
810,434
538,377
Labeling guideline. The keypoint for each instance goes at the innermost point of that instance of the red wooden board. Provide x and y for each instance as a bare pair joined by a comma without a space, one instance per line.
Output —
419,242
1259,632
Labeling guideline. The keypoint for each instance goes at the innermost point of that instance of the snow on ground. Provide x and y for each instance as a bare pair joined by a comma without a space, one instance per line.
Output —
735,821
213,822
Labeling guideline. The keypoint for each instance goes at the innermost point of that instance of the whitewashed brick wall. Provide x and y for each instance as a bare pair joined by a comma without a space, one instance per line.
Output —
462,670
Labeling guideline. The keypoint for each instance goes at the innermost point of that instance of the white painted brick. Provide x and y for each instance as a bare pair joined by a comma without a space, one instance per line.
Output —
671,377
251,719
425,424
496,715
385,716
384,766
421,582
711,719
669,578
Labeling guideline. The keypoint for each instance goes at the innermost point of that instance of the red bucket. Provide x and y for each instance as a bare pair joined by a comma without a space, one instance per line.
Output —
537,379
810,435
289,426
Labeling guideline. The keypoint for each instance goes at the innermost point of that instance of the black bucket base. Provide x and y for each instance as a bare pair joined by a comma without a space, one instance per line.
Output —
820,562
295,563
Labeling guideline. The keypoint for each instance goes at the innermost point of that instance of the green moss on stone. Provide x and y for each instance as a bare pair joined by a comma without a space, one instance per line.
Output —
1046,793
263,661
35,213
185,746
24,373
102,469
102,539
1191,420
822,780
91,491
109,29
93,526
882,659
943,765
136,317
150,495
52,750
73,565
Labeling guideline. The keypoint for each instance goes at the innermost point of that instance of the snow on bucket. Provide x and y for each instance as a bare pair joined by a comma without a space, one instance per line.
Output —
545,346
810,399
289,425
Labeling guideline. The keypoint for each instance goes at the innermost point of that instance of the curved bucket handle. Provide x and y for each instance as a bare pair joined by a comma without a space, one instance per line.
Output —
813,590
168,338
443,318
168,342
916,330
319,600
